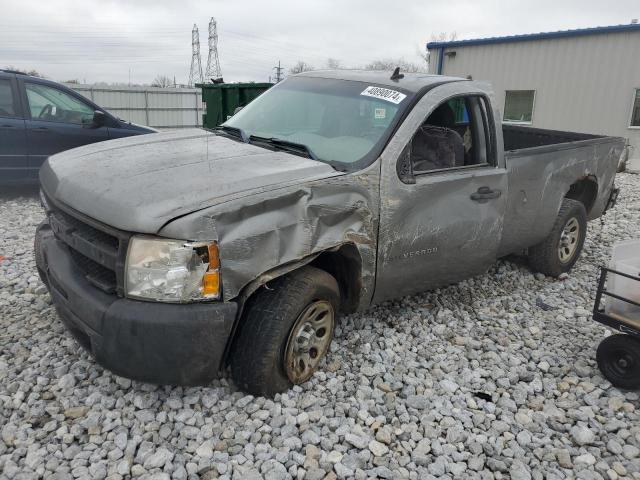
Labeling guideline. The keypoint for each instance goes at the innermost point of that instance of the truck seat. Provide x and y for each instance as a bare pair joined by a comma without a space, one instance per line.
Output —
435,148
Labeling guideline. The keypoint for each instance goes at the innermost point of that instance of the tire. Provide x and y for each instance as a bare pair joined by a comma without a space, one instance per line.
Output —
42,230
618,358
278,319
570,228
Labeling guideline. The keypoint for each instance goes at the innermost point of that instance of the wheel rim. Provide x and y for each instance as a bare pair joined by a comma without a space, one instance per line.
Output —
622,364
569,239
309,340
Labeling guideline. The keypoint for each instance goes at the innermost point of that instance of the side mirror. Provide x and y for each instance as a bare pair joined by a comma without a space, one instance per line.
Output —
99,119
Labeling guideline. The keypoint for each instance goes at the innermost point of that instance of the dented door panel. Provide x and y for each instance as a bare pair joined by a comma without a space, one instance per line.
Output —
432,232
439,235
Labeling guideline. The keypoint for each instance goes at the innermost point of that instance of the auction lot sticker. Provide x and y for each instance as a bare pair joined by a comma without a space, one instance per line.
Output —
384,94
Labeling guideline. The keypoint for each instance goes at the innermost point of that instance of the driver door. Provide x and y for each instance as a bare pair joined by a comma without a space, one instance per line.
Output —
443,193
56,121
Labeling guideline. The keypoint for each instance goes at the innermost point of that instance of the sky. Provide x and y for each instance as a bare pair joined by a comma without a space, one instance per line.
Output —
136,40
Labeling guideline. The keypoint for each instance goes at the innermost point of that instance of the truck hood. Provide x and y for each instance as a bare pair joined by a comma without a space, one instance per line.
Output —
138,184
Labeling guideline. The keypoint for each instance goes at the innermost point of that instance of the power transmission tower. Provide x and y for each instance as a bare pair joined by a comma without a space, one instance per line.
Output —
213,62
195,75
278,70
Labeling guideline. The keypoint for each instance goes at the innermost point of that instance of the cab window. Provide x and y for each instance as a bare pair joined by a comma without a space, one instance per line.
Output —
50,104
455,135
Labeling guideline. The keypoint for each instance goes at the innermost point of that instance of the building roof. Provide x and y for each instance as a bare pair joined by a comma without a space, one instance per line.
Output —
411,82
537,36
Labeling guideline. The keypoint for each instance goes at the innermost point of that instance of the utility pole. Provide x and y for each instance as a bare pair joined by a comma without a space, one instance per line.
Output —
278,70
213,70
195,74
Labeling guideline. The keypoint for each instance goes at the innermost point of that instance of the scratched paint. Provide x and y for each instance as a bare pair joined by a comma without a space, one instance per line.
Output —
272,212
262,232
436,213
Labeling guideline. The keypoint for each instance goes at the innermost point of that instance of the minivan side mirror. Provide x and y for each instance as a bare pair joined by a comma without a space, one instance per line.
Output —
99,119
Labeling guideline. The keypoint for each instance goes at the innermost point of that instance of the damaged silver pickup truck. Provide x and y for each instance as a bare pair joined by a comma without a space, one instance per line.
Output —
174,256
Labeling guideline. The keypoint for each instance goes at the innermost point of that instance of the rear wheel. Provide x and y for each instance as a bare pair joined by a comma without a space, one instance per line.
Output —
618,359
560,250
285,332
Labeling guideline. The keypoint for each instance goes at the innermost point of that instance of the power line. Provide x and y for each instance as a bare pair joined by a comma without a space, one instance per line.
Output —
295,48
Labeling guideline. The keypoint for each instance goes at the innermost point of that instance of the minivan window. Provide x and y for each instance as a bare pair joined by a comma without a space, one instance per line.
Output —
51,104
7,106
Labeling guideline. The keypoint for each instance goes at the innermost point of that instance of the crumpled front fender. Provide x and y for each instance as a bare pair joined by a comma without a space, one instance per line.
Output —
261,233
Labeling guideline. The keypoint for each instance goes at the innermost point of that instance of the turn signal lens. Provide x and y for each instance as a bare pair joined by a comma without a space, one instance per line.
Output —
211,284
214,256
211,278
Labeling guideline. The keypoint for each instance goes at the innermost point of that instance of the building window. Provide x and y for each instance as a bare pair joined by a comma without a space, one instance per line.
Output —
635,110
518,106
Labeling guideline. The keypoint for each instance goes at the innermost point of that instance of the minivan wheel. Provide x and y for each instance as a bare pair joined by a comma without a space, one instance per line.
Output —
560,250
285,332
618,358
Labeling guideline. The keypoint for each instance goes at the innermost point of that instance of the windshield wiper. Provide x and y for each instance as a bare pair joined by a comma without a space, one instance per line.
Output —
286,145
235,132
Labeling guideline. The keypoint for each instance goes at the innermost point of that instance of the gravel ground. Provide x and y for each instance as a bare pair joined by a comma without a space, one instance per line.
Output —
492,378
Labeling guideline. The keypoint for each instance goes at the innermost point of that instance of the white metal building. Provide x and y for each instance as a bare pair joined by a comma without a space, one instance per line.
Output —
585,80
155,107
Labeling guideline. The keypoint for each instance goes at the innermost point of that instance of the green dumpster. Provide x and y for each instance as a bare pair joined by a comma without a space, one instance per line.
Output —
221,99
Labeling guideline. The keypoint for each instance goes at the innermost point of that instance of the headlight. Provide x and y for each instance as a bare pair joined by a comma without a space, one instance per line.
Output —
172,270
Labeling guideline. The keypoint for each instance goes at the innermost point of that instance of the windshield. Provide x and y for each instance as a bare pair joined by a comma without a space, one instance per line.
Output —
339,121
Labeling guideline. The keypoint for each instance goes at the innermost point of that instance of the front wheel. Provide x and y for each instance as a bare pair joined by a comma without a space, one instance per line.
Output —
42,230
285,332
560,250
618,358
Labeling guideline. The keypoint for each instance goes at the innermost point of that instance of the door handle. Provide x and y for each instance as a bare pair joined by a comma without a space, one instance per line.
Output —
40,129
484,194
7,126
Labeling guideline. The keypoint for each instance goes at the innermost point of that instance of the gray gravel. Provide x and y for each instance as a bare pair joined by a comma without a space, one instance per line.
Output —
492,378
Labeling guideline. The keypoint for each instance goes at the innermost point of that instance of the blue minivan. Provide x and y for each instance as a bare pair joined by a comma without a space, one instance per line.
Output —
39,118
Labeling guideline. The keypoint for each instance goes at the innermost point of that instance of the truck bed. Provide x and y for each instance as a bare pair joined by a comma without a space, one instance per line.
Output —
517,137
542,166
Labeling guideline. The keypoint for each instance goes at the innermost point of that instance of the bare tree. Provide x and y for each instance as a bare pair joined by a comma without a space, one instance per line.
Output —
444,37
300,67
32,72
424,55
162,81
334,64
391,63
436,37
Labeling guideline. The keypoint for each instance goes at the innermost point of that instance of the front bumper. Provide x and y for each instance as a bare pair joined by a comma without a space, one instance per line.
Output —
177,344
